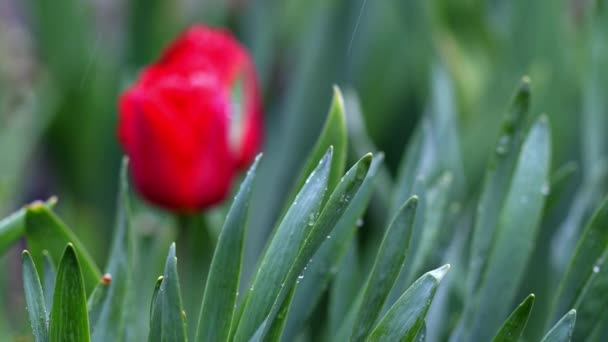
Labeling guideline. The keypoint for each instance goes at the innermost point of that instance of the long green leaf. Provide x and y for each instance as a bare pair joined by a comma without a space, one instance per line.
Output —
590,247
516,233
333,134
69,321
173,320
34,299
111,310
48,278
513,327
386,269
282,251
592,304
344,289
562,330
421,337
45,231
155,333
325,262
405,318
321,230
223,281
496,182
436,206
12,227
560,180
274,332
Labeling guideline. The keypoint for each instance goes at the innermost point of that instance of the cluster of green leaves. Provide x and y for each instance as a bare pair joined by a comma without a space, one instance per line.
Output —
312,255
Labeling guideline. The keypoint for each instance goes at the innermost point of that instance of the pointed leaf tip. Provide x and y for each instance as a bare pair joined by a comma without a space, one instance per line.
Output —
440,272
525,82
338,97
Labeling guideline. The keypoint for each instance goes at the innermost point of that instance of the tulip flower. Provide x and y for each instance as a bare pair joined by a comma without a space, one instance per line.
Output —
192,120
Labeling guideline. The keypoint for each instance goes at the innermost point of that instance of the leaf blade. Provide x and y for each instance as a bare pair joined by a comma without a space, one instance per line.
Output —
563,329
109,323
389,261
327,258
173,322
69,320
335,207
589,249
518,225
282,251
222,283
513,327
45,231
405,318
34,299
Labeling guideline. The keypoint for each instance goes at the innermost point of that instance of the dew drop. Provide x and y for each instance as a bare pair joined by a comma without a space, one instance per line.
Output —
545,189
501,150
596,269
329,236
300,276
360,222
503,144
311,219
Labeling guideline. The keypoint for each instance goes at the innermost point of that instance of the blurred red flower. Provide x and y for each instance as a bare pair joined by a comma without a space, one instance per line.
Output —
192,120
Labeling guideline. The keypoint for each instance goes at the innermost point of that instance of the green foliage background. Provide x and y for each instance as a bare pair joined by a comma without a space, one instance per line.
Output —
403,65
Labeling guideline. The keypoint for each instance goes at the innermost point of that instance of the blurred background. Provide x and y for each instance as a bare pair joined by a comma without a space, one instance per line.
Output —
63,64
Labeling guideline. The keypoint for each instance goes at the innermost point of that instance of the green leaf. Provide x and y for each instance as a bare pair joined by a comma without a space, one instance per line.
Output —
513,327
562,330
497,182
421,337
274,332
410,166
386,269
592,304
282,251
600,331
333,134
405,318
432,230
169,300
444,116
34,299
587,255
326,260
12,227
222,284
361,143
345,286
69,321
560,180
108,320
321,230
156,313
48,278
45,231
518,224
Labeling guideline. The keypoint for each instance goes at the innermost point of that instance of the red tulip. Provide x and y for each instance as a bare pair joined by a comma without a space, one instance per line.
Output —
192,120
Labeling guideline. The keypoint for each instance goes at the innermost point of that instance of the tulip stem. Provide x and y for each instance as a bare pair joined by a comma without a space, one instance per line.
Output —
194,260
